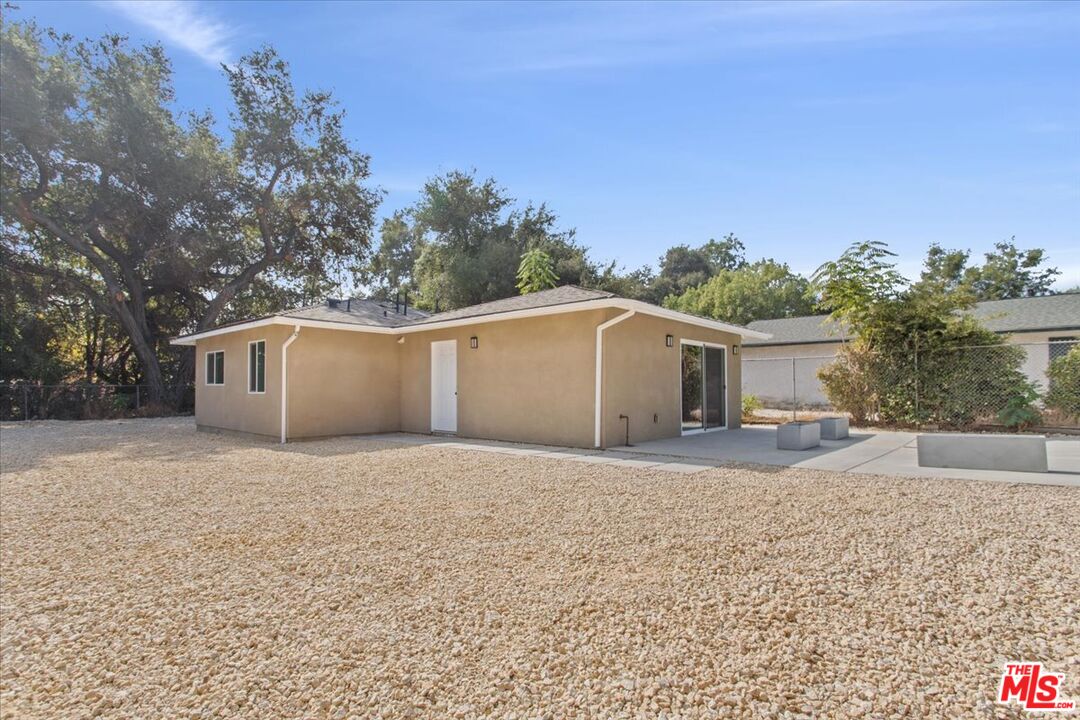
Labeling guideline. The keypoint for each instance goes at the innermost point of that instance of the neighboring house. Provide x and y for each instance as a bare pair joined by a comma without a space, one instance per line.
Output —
566,366
1044,325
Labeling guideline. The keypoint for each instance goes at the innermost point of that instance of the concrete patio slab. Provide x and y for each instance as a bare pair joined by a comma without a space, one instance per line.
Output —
637,463
877,452
564,454
684,468
598,458
870,452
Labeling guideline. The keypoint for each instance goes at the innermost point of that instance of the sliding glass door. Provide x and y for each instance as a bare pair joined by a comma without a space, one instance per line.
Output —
704,390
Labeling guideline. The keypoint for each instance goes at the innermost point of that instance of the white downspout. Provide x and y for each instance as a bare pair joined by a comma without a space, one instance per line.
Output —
600,367
284,385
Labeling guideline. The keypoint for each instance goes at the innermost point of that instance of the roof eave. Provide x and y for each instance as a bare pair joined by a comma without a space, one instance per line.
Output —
600,303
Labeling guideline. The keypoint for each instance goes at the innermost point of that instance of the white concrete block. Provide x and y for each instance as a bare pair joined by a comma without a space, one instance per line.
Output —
833,428
1024,453
798,436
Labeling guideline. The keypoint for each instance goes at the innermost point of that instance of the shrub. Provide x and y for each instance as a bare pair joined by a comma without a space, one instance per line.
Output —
1064,375
919,358
960,386
848,382
960,380
1020,411
750,405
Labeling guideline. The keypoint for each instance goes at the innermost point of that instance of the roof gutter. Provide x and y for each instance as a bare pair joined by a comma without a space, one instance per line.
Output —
284,382
598,401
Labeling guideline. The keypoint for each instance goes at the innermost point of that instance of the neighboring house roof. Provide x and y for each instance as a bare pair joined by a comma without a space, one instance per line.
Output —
1033,314
1049,312
380,317
805,330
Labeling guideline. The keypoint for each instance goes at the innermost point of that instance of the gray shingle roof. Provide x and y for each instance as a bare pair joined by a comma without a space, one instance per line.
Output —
798,330
375,313
562,295
379,313
1050,312
359,311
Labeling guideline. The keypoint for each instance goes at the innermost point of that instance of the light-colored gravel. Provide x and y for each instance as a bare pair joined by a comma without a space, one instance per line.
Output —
149,571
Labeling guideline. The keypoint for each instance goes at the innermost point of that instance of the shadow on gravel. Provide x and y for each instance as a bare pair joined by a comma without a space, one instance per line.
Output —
25,446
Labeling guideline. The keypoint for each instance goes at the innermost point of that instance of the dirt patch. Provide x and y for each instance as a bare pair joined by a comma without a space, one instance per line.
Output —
151,571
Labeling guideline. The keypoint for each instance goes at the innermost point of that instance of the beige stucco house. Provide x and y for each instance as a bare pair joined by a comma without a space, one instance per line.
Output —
566,366
1045,326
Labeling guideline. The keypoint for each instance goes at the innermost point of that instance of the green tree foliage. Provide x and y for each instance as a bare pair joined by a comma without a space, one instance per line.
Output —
683,267
963,372
862,279
393,263
472,239
1008,272
1020,411
634,284
761,290
1064,377
850,382
30,334
110,194
536,272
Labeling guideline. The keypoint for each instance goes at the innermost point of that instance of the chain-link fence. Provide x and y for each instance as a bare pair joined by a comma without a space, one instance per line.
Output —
1015,385
85,401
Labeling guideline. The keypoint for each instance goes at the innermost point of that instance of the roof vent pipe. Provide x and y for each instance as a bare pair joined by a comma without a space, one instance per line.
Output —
348,305
406,302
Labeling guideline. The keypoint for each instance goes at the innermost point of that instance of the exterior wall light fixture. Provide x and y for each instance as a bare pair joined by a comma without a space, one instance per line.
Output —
474,342
669,340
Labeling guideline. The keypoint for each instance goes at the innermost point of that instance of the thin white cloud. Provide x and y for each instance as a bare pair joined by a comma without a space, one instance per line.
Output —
553,37
184,24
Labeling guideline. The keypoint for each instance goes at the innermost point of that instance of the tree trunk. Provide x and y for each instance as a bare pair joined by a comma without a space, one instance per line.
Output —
91,359
142,344
185,374
156,392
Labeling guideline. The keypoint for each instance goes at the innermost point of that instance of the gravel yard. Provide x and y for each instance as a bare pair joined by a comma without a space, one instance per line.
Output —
150,571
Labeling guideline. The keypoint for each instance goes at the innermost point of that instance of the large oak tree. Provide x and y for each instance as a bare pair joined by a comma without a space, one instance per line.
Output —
156,217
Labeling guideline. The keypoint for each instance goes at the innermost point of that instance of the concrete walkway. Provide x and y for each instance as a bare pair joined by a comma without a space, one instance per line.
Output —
876,453
618,458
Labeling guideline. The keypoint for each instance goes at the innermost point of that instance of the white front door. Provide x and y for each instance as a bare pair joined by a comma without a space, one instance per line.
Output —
444,386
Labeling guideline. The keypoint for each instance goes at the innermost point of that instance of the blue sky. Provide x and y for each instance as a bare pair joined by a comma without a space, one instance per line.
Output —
801,127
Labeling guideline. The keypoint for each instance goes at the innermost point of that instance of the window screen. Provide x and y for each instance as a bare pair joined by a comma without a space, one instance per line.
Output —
257,366
215,367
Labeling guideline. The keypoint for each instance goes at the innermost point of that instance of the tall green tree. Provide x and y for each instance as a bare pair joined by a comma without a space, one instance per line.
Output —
633,284
1008,272
761,290
393,263
110,193
536,272
683,267
854,285
473,239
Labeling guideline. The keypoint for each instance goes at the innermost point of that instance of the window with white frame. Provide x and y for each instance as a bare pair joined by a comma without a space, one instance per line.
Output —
257,366
215,367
